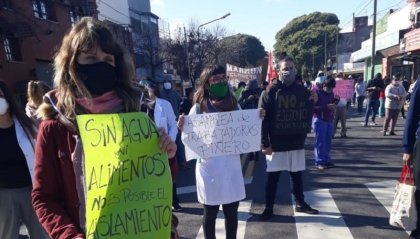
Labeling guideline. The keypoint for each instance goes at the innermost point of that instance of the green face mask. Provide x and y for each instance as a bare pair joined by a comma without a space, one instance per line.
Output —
219,89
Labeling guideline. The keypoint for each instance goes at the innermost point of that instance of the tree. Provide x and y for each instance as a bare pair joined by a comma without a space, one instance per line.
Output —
191,49
303,39
147,48
241,50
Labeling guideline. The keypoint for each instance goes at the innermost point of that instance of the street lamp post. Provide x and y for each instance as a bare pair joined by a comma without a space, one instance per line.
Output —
198,37
217,19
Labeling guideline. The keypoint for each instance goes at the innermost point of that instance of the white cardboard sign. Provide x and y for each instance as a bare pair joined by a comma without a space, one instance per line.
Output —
224,133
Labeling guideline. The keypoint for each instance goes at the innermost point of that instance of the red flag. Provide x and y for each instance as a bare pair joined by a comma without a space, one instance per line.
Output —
271,72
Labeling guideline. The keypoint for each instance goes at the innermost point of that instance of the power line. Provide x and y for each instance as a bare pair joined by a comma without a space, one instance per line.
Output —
356,13
106,4
111,19
390,7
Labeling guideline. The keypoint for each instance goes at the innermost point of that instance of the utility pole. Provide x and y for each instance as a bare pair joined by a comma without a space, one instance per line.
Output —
372,62
336,50
325,50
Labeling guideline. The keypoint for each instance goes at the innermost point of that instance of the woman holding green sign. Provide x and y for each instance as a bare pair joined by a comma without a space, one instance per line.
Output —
93,75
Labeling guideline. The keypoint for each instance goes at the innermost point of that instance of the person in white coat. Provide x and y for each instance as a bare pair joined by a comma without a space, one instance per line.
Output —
394,99
17,133
162,113
219,179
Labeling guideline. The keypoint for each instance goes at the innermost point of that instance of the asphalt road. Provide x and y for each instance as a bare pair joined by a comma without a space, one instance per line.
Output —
353,198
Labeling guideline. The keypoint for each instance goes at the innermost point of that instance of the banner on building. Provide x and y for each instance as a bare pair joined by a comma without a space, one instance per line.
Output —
344,89
127,177
224,133
238,74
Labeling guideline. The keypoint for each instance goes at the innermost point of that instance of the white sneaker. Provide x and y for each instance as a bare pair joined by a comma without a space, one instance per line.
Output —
372,124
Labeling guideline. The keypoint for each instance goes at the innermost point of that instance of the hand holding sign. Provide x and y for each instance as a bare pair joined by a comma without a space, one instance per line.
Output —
166,143
180,123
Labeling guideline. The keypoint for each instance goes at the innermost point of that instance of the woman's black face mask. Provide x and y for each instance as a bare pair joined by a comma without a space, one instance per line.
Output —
99,77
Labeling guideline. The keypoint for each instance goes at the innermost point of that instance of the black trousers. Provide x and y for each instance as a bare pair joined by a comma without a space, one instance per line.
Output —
175,199
271,188
231,220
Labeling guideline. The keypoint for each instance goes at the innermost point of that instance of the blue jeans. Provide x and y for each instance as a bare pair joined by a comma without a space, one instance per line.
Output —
372,107
360,100
323,137
381,110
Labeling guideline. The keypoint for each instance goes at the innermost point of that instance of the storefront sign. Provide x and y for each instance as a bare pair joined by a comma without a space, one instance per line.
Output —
412,40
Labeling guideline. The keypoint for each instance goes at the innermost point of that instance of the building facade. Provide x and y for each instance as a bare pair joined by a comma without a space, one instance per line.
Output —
31,31
391,31
350,42
144,28
410,44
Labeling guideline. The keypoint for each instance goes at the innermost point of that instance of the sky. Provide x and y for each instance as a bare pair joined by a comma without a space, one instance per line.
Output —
262,18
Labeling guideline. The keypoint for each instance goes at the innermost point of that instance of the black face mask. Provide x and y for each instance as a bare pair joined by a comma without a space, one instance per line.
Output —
98,77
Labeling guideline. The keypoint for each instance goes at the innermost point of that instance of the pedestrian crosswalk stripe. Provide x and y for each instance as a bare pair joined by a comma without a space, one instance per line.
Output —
328,224
243,216
186,189
384,192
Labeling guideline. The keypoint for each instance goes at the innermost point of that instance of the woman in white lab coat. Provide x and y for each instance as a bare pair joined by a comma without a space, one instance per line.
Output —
162,113
219,179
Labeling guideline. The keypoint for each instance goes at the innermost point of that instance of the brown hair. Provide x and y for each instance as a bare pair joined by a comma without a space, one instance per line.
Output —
17,111
86,35
202,93
36,90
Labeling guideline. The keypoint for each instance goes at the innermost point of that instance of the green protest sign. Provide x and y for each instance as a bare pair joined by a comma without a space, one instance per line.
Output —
127,177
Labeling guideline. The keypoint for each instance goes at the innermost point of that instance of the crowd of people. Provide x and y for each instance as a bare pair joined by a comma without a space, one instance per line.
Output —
42,184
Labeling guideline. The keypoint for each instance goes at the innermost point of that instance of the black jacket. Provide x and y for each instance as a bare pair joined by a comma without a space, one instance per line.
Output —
374,94
288,116
250,95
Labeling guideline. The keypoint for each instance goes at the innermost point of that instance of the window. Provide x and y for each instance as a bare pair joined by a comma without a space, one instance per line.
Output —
6,3
418,17
91,8
12,49
43,9
74,17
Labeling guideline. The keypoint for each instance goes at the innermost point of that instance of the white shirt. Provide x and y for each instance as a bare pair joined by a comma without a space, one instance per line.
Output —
292,161
165,117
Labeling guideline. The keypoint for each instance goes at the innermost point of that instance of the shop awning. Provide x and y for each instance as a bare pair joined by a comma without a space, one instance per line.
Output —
383,41
353,67
408,57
